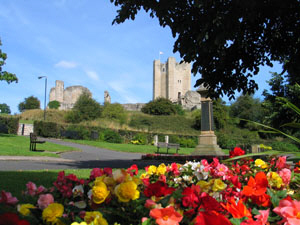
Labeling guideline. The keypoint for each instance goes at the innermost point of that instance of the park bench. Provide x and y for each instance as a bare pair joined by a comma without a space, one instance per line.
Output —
33,141
168,146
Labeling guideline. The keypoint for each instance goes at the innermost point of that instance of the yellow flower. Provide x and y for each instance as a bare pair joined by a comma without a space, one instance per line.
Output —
274,179
24,209
99,192
52,213
219,185
260,163
205,186
161,169
82,223
94,218
143,175
127,191
151,170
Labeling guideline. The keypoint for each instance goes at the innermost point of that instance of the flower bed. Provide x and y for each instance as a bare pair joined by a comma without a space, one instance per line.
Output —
244,191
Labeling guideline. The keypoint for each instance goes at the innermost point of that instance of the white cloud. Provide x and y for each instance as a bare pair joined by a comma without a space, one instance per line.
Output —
92,74
66,64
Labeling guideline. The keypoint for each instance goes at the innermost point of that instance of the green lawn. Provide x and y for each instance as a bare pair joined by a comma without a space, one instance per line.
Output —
14,145
130,147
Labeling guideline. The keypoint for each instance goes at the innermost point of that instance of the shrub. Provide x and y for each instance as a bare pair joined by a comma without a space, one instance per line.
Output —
111,136
284,146
187,142
179,110
159,106
79,132
54,104
29,103
114,111
47,129
139,139
9,124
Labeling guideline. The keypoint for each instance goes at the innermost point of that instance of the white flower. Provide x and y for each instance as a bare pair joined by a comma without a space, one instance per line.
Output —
78,190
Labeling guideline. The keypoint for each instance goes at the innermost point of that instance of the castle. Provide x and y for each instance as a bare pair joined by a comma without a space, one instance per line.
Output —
172,80
66,97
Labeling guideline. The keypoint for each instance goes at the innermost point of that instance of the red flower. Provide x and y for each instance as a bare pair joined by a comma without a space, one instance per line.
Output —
133,170
158,189
12,219
238,210
166,216
210,204
236,152
211,217
191,196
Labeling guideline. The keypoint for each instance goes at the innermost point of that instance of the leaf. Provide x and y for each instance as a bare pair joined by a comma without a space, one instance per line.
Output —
236,221
294,125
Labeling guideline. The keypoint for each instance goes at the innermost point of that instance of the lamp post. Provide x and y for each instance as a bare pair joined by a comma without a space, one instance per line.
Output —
45,94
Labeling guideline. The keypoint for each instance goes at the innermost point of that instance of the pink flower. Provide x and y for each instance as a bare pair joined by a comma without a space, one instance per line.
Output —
150,204
31,188
7,198
45,200
285,175
281,162
221,170
262,218
289,210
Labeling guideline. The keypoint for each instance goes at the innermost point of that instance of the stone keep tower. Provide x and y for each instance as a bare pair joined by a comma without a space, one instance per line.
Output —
171,80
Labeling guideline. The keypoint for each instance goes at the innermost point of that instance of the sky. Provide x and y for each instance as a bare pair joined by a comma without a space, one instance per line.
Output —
75,41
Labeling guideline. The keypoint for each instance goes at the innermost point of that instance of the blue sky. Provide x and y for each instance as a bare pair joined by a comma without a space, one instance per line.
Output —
75,41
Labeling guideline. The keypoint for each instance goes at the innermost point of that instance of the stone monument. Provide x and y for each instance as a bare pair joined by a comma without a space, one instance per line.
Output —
207,141
106,97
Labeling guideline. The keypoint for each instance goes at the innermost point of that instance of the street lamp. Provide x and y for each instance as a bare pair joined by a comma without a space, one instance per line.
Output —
45,94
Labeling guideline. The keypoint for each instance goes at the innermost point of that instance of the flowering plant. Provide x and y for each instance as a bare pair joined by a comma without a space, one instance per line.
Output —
247,191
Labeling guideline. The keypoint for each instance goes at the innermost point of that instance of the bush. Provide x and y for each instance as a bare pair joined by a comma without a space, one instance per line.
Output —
159,106
187,142
114,111
139,139
29,103
85,108
284,146
47,129
9,124
78,132
112,136
54,104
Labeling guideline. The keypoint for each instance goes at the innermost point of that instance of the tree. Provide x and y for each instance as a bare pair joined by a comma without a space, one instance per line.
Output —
4,108
29,103
4,75
227,41
114,111
160,106
85,108
54,104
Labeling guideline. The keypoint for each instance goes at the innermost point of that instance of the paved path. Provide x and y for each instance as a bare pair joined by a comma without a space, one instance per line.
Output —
89,157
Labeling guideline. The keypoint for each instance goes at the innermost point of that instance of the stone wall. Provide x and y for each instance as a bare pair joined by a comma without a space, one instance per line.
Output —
133,106
25,129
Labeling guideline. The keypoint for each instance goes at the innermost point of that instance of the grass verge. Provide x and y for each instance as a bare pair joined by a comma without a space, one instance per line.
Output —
145,149
14,145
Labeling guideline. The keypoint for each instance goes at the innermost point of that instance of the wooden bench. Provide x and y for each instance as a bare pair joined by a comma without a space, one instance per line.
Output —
168,146
34,141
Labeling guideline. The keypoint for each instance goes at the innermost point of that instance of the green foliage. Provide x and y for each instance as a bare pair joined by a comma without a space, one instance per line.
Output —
47,129
247,107
160,106
4,109
8,77
80,132
85,108
179,110
112,136
221,113
284,146
54,104
196,119
224,33
114,111
29,103
139,139
187,142
9,124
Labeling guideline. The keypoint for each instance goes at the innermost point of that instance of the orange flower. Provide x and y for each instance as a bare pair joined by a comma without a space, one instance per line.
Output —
257,186
166,216
238,210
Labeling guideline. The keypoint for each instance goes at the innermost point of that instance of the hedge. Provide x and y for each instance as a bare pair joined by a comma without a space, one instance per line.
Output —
51,129
9,124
